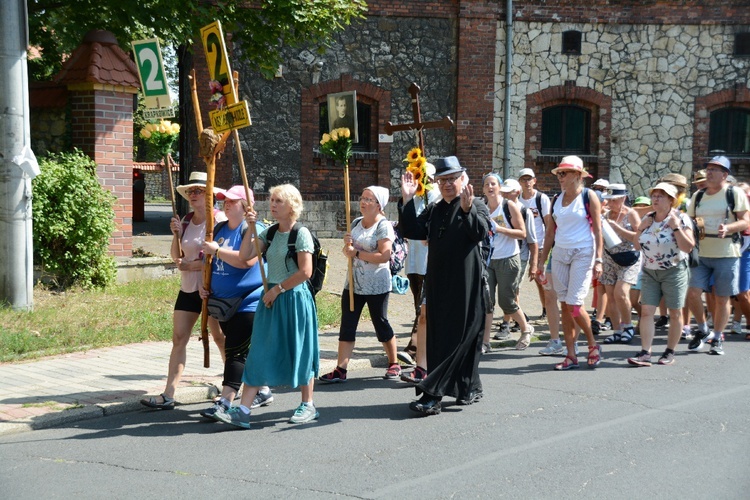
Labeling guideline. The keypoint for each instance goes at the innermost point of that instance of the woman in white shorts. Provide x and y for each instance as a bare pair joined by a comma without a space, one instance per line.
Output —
574,227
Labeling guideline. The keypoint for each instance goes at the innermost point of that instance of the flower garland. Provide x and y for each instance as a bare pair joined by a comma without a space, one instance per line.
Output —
161,136
218,98
418,169
337,145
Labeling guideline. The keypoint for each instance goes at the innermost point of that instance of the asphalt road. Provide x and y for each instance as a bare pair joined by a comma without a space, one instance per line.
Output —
615,432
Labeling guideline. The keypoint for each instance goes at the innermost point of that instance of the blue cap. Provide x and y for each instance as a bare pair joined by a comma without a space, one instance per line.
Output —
721,161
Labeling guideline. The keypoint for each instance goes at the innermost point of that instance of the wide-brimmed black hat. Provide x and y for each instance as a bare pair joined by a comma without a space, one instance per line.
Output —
448,165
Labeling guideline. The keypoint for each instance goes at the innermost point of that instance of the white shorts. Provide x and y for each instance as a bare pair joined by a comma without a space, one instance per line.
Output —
572,269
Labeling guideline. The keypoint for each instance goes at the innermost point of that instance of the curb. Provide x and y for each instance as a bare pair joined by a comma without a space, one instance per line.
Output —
201,392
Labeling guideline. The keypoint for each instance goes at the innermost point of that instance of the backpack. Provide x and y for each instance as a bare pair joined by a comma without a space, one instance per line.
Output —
524,215
319,256
399,249
736,237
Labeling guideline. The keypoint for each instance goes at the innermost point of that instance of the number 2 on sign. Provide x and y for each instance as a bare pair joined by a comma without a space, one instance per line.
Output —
150,62
216,58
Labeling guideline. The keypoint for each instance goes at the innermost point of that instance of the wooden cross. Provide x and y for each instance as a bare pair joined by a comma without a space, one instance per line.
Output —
418,125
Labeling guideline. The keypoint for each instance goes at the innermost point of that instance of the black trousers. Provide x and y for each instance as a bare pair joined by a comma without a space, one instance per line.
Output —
237,330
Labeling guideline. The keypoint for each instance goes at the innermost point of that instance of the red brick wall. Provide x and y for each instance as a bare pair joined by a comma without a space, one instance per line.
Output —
102,127
476,86
737,97
321,179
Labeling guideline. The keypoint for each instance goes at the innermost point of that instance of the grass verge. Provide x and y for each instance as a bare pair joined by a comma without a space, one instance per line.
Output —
79,320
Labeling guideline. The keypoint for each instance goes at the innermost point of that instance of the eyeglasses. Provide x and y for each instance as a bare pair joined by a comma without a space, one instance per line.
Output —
367,200
448,180
191,192
562,174
714,170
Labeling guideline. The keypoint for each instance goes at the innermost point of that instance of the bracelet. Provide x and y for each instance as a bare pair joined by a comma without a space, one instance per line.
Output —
281,288
217,253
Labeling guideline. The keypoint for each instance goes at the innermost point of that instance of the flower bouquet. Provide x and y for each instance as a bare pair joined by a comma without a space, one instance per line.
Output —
337,145
161,136
418,169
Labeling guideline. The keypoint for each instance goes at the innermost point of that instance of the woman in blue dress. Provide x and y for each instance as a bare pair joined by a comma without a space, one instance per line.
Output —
284,348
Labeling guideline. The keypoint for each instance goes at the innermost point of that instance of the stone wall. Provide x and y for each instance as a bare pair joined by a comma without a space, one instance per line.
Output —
49,130
653,75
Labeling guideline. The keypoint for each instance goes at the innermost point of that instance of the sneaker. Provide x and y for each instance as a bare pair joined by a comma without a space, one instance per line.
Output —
643,358
607,324
737,327
515,327
553,347
262,399
503,333
662,322
687,334
233,416
211,410
407,356
596,326
544,313
667,358
426,405
415,376
393,372
304,413
333,377
486,348
699,339
717,346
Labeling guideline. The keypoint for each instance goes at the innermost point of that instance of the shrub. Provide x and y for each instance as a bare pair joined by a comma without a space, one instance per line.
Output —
73,219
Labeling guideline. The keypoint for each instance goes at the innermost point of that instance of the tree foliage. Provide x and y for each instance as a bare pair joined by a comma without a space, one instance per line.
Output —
262,27
73,221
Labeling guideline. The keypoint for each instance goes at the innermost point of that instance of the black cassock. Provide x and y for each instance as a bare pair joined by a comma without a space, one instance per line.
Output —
456,302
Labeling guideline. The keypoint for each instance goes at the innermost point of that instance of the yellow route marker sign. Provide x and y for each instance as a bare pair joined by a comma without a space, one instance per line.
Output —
218,60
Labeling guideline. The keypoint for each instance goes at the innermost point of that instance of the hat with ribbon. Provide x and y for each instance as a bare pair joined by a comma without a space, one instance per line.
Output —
615,191
573,163
197,179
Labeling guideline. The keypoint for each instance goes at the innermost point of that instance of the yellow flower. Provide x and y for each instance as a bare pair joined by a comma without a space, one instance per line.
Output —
421,164
145,132
420,190
413,155
347,133
175,129
334,134
325,139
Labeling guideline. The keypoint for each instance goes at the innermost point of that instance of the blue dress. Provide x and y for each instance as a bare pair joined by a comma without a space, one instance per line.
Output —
284,349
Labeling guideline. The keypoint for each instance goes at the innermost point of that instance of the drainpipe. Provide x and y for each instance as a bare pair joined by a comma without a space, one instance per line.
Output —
17,162
508,64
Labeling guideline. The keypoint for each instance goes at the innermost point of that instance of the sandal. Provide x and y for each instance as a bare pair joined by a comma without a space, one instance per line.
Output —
166,404
615,338
523,342
627,335
568,363
594,359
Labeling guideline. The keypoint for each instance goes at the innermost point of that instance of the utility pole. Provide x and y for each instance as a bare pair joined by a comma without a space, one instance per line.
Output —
17,163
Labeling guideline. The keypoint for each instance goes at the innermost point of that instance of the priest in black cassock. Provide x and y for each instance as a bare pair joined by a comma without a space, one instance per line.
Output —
456,303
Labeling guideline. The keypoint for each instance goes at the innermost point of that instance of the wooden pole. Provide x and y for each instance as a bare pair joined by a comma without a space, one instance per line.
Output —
196,104
210,176
243,173
349,230
168,162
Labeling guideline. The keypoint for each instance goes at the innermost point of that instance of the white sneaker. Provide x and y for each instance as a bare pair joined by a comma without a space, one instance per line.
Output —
736,327
553,347
304,413
687,334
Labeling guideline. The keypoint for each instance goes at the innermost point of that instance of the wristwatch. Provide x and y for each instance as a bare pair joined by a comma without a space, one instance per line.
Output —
598,260
281,288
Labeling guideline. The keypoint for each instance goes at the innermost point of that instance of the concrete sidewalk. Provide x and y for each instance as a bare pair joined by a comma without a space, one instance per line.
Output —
66,388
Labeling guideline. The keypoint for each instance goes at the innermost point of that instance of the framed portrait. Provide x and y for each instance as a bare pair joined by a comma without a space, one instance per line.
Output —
342,112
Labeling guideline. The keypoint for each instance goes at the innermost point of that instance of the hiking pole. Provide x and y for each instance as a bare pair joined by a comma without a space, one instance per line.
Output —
243,173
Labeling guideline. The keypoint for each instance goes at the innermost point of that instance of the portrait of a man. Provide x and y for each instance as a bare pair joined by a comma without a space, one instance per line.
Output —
342,112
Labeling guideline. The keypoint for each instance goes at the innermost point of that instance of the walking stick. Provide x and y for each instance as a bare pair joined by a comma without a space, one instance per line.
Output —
168,161
347,207
243,173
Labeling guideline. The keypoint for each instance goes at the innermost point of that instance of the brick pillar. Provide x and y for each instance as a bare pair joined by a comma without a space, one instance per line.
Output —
102,82
476,85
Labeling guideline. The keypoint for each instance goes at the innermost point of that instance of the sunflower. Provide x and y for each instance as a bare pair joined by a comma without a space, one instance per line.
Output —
421,189
419,164
413,155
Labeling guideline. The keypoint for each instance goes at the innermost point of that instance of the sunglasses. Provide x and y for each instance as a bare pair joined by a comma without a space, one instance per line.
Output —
192,191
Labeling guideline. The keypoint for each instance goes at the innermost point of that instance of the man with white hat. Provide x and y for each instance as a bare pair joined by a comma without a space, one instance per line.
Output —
723,211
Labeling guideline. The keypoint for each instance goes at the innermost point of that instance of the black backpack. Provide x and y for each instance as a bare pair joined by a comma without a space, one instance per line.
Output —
524,216
736,237
319,256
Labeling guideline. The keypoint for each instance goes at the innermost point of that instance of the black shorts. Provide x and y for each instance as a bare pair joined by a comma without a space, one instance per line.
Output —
190,302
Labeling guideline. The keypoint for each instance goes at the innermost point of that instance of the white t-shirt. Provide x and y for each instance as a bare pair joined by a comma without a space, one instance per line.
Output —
369,278
573,228
502,246
538,217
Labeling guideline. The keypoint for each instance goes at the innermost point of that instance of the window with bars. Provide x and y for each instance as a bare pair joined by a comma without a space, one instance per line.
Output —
729,131
566,130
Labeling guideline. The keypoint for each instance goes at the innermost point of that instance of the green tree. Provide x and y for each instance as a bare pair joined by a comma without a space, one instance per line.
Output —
263,27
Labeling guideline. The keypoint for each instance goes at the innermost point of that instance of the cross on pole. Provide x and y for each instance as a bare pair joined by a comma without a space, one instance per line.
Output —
418,125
